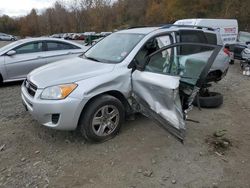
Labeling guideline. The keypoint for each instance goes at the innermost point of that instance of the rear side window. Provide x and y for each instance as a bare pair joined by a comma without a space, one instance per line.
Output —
191,36
52,46
211,38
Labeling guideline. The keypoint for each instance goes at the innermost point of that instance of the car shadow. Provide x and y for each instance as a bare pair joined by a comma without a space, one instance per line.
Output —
9,84
74,137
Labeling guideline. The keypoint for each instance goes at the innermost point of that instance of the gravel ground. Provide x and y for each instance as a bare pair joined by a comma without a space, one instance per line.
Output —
142,155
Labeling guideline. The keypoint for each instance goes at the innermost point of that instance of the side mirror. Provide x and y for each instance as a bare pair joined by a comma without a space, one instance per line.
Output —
248,42
11,53
135,64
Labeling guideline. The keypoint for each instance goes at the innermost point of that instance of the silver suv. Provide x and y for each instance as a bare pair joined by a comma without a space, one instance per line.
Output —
147,70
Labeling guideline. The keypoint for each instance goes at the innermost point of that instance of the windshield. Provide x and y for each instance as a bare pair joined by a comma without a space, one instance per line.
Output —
114,48
244,37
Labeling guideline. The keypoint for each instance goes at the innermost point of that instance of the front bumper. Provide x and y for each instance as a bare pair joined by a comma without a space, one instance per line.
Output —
58,114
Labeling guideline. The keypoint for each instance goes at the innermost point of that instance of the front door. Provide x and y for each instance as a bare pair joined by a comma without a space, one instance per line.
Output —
28,57
165,85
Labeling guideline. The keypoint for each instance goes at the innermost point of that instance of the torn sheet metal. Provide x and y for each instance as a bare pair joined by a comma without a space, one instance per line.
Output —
160,100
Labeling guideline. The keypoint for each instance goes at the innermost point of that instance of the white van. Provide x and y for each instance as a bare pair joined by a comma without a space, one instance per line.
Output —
227,28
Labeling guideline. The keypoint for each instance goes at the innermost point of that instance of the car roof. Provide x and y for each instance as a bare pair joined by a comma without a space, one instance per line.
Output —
48,39
23,41
142,30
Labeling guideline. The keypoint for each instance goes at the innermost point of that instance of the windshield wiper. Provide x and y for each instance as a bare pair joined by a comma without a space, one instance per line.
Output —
92,58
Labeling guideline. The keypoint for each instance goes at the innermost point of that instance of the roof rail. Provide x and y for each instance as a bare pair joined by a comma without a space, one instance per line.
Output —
140,26
188,26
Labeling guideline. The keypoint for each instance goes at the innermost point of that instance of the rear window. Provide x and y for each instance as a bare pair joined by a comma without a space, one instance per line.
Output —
191,36
211,38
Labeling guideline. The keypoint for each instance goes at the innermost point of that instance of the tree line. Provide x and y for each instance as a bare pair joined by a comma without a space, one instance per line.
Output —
107,15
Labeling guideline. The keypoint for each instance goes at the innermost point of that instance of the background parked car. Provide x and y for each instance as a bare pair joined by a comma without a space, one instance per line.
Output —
19,58
58,35
7,37
104,34
243,42
81,37
226,28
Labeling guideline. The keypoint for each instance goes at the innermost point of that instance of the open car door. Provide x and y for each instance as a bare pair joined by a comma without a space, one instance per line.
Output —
165,86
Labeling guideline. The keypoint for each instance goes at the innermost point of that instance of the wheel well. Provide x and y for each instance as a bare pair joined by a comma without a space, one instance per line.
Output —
1,78
122,98
113,93
214,76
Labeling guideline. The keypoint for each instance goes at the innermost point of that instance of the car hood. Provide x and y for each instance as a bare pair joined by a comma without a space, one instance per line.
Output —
68,71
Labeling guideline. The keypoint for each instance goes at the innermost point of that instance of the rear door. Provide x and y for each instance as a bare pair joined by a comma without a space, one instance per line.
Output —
57,50
164,87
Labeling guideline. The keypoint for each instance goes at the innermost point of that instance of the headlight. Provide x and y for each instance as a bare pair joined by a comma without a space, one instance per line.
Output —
58,92
247,50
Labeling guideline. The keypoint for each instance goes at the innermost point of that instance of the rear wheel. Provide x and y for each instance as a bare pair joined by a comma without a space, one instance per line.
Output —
102,119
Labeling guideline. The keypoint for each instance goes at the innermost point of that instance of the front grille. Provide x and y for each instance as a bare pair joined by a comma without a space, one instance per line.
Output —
31,88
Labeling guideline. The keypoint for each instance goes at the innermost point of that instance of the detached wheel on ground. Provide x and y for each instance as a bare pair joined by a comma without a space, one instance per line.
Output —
102,119
209,100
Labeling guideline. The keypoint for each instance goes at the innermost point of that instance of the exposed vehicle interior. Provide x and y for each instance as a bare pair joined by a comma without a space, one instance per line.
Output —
184,61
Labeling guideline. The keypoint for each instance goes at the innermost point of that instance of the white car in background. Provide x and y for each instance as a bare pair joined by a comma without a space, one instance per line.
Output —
7,37
227,28
17,59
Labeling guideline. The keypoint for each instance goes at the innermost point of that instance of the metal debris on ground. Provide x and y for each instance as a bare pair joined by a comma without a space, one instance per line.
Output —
2,147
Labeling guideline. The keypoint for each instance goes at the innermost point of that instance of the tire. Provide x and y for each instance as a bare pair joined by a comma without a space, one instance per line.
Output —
1,80
231,62
105,128
213,100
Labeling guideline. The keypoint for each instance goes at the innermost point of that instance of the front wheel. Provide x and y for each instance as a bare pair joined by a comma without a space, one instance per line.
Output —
102,119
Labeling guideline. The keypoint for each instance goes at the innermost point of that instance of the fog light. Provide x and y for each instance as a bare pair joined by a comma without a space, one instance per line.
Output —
55,118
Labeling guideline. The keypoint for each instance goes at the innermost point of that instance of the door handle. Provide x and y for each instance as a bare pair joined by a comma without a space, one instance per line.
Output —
39,57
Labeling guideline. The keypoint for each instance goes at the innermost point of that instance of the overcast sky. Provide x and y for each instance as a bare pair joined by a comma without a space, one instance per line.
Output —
22,7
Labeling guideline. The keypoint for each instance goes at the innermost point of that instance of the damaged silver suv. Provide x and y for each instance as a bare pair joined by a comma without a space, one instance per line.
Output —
146,70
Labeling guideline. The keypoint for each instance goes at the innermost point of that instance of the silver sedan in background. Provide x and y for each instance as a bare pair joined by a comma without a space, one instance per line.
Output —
19,58
7,37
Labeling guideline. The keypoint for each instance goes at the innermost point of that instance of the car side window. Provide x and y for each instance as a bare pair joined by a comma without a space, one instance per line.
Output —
29,48
188,66
191,36
52,46
152,46
211,38
163,62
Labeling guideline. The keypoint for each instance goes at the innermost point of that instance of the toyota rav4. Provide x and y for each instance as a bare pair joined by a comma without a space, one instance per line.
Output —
156,71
